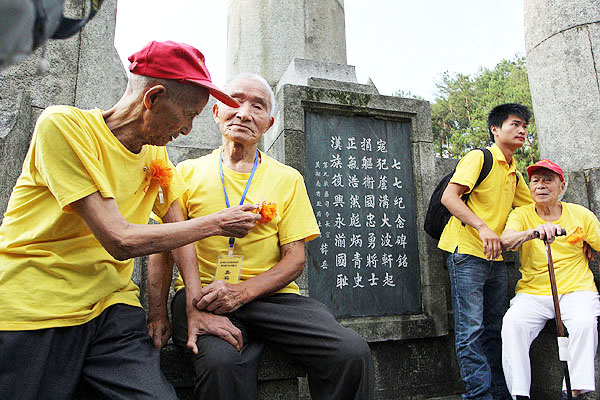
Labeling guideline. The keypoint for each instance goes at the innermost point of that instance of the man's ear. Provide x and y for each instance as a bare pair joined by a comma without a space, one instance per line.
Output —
215,111
152,94
270,123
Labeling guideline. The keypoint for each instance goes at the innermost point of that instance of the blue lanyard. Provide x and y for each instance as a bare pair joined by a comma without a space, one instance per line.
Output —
232,240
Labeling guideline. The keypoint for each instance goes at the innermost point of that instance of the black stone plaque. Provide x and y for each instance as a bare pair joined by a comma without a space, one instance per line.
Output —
360,181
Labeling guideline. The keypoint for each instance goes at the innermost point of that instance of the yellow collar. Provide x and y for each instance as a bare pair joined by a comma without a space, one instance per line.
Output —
499,155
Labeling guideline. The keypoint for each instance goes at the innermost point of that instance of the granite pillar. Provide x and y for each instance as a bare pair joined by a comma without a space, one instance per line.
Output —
265,36
563,63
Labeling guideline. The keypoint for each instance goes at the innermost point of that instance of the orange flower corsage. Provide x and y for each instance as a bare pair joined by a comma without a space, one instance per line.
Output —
160,171
267,211
575,236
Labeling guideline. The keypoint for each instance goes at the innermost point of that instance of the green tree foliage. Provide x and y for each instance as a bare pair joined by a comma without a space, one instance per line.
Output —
407,94
459,113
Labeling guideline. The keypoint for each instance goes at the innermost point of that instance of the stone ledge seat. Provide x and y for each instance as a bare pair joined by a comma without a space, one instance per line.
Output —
277,373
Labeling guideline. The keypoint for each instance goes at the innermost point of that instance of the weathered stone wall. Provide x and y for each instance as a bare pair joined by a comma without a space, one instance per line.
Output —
84,71
16,126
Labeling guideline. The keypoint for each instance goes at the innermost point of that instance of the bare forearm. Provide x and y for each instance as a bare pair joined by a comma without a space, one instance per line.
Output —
512,240
124,240
459,209
491,245
280,275
187,263
276,278
160,273
185,257
138,240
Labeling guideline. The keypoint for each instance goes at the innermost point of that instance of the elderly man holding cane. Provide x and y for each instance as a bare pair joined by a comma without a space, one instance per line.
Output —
533,304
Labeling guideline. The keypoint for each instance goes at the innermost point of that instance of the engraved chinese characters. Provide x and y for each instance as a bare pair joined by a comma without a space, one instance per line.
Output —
359,178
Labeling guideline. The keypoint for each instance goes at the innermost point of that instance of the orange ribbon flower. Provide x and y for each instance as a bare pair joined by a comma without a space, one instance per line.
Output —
160,171
575,236
267,211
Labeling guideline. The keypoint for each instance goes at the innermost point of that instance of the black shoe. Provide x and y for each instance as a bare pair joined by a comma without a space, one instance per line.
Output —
523,398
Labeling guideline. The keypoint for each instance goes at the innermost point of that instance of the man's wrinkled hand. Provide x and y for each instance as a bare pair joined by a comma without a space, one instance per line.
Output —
492,247
237,221
220,297
205,323
548,231
159,330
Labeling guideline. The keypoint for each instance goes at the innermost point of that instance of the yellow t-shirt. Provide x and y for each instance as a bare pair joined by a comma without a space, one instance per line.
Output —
273,181
53,271
491,201
570,263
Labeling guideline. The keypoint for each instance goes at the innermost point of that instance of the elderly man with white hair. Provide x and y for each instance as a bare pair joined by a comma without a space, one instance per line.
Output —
532,305
264,306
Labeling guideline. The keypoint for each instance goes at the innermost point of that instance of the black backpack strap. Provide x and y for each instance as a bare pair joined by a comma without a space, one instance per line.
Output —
69,26
488,163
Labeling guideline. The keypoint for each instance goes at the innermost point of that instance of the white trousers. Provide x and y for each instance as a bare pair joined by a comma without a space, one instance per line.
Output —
525,319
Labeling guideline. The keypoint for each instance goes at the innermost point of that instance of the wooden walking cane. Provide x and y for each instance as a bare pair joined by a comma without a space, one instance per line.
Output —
563,341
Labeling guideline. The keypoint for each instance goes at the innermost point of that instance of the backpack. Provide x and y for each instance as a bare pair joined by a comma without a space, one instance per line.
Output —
437,215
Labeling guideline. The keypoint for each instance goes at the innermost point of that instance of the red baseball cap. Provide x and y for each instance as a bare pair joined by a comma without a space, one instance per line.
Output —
548,165
177,61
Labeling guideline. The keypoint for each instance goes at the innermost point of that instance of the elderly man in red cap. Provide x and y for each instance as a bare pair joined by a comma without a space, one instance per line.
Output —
533,306
69,312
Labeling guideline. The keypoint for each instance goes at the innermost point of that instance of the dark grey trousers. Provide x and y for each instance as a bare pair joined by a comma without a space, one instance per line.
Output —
112,355
337,359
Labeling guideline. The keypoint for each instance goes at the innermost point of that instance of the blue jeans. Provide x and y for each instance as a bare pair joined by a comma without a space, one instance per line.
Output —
478,288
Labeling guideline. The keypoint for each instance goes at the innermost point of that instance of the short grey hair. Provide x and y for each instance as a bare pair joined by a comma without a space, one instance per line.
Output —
175,89
257,78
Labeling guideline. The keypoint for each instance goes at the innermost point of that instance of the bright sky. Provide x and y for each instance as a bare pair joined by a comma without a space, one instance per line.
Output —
399,44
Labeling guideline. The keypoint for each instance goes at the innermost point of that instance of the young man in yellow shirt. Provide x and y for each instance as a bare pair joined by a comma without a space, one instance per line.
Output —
478,277
69,312
532,305
265,306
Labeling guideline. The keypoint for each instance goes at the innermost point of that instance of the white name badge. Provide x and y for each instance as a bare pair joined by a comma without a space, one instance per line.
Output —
229,267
